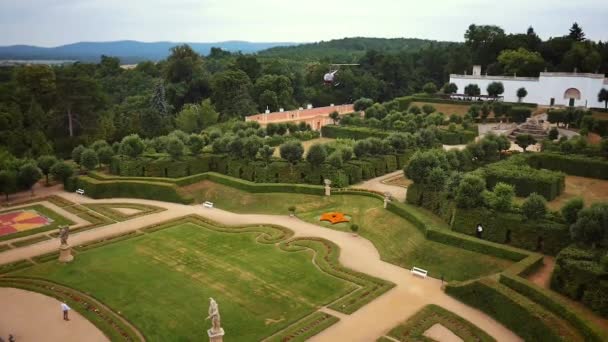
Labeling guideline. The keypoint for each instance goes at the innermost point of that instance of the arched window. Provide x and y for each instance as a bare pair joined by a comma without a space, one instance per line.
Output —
572,93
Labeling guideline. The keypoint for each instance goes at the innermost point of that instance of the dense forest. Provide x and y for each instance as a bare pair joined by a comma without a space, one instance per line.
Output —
46,110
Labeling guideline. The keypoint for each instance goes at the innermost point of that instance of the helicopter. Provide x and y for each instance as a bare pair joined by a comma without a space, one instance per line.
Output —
329,79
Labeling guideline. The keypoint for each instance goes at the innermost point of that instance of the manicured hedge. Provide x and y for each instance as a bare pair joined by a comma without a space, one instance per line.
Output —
131,189
579,275
518,313
352,132
524,178
556,305
458,137
550,236
425,224
575,165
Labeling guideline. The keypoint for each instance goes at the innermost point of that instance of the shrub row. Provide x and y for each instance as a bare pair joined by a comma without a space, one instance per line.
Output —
542,235
463,102
260,172
575,165
306,328
446,137
579,275
556,305
518,313
524,178
414,328
445,236
131,189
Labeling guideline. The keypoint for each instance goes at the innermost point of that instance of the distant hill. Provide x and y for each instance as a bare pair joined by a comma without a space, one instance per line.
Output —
347,49
128,51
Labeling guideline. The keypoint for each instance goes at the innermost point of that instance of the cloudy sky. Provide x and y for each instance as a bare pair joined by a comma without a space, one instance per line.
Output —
56,22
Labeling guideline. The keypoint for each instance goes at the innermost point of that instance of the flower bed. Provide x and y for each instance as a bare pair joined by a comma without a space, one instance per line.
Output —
334,217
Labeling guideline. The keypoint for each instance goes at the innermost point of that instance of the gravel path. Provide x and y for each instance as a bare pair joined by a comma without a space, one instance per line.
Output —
366,324
376,184
31,316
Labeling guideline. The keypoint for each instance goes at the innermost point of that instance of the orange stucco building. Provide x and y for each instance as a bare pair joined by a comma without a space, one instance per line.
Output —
315,117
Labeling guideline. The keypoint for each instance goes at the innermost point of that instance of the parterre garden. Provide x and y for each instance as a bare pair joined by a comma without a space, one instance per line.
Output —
451,192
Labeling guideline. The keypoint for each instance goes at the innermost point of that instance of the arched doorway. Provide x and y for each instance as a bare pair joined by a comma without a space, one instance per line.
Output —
572,94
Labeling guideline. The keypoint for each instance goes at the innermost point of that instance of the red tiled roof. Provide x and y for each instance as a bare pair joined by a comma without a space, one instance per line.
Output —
300,114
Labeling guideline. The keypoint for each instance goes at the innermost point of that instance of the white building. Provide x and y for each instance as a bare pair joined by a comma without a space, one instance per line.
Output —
549,89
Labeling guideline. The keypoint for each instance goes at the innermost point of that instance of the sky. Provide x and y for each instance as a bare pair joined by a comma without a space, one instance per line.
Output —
57,22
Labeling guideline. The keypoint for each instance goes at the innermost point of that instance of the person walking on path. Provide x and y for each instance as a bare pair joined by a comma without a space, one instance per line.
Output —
65,308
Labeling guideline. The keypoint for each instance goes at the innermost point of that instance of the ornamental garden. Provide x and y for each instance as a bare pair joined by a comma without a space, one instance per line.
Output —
151,278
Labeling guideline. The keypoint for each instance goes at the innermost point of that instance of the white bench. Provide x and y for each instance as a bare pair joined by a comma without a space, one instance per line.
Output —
419,271
80,191
208,204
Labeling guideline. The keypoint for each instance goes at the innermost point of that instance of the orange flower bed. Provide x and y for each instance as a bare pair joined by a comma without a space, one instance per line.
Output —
334,218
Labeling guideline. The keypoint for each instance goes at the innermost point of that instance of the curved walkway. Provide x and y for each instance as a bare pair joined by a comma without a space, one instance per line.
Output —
31,316
366,324
376,184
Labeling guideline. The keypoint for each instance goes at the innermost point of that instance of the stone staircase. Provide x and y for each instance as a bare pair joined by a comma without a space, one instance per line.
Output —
533,127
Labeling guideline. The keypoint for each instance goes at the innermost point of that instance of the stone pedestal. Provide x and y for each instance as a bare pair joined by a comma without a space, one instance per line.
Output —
327,187
216,335
65,253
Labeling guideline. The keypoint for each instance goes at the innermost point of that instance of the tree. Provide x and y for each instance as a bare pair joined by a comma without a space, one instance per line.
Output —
472,90
196,143
159,99
602,96
421,164
175,147
8,182
105,155
571,209
292,151
591,226
196,117
76,153
334,116
524,140
265,153
354,228
45,163
469,191
231,94
502,198
494,89
292,210
576,33
534,207
485,42
521,62
553,133
132,146
62,171
99,144
316,155
28,175
430,88
335,159
186,79
450,88
485,110
363,103
428,109
521,93
89,159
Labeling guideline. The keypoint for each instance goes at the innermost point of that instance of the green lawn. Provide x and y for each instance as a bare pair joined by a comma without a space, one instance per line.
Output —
397,240
162,281
58,220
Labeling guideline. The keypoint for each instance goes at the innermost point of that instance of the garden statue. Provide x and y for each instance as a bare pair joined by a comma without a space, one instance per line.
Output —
387,198
64,232
327,187
216,332
65,251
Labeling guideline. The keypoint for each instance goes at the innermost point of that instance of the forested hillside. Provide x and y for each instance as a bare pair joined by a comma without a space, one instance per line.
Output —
47,109
346,50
